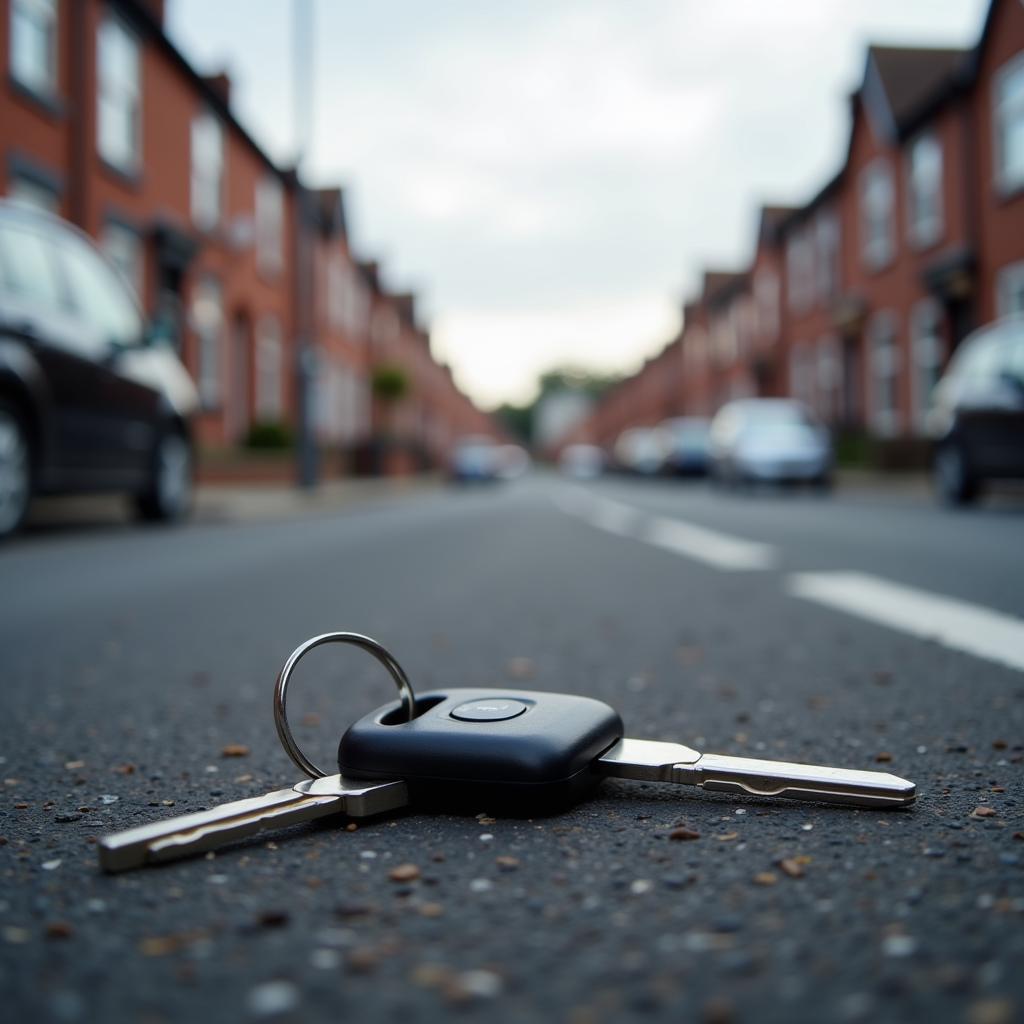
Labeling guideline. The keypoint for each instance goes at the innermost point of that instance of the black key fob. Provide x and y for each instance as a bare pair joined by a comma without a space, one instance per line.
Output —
519,750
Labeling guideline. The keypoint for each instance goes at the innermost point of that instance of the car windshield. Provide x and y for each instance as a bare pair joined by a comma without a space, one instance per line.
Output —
774,415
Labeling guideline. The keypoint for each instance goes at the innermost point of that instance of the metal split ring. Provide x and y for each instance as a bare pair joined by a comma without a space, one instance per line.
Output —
284,731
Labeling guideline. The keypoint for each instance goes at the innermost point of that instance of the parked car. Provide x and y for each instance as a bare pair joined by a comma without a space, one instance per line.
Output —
687,445
769,439
582,461
977,413
639,450
90,399
513,461
475,459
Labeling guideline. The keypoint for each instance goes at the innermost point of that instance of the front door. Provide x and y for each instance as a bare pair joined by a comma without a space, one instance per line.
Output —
241,375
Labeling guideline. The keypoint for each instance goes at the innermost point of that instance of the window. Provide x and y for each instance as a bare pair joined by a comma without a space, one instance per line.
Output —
207,170
29,270
207,316
34,45
927,352
766,300
268,368
119,96
829,379
1010,290
826,243
876,209
99,295
269,225
335,291
34,194
124,249
800,270
1008,125
924,190
801,381
884,368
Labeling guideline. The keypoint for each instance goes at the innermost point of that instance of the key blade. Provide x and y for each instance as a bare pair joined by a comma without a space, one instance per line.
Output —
191,834
721,773
646,760
653,761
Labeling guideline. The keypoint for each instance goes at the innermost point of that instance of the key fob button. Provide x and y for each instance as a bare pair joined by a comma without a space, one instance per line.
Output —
493,710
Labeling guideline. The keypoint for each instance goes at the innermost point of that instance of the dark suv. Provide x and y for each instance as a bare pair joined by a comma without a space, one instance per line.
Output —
90,400
977,415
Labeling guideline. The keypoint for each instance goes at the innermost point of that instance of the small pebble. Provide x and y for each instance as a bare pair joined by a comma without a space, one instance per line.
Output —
984,812
682,835
325,959
235,750
59,930
50,865
473,985
640,886
108,798
765,878
404,873
507,863
481,885
899,945
273,998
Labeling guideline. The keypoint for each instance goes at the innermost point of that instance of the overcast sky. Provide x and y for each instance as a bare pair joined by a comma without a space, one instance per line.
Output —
551,176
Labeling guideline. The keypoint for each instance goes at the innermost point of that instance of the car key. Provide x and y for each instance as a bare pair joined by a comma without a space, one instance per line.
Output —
526,748
511,748
315,797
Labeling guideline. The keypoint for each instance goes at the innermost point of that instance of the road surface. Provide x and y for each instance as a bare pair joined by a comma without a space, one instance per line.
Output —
867,631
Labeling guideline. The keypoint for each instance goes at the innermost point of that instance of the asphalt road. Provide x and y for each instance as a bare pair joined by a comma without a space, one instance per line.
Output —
138,669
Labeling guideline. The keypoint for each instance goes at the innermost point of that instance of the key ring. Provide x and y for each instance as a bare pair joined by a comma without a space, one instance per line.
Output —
284,731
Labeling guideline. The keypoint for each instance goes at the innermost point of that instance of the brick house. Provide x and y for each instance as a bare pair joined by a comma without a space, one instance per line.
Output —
104,122
120,136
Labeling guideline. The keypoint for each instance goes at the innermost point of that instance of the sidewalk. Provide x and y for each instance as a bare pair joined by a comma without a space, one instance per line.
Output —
241,503
235,503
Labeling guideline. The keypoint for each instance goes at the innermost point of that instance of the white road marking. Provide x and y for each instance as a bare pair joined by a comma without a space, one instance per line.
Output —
958,625
721,550
718,549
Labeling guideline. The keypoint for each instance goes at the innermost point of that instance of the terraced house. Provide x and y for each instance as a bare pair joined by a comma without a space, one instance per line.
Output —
855,300
105,123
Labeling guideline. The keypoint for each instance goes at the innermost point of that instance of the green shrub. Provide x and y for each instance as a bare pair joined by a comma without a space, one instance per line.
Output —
390,383
269,435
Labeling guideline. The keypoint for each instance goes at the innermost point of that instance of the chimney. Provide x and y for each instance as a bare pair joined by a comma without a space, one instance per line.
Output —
221,85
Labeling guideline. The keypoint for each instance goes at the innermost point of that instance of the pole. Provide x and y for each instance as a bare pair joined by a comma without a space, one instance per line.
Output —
305,348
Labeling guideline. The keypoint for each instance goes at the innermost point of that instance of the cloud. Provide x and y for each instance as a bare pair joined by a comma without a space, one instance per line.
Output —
556,175
500,353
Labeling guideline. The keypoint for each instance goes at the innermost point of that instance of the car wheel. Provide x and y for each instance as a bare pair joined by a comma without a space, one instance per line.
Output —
168,496
953,478
15,470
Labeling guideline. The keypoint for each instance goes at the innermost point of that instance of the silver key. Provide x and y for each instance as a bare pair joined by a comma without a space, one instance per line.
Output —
190,834
653,761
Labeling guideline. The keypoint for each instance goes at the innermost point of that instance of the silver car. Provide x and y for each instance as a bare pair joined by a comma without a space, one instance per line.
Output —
769,439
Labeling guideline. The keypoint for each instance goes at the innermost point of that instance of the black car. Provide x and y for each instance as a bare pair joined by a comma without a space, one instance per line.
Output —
977,413
90,399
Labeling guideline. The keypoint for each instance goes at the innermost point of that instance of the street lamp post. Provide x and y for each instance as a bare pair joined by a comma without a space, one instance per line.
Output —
305,350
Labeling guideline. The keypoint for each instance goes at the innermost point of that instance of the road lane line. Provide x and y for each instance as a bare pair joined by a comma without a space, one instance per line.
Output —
710,546
958,625
721,550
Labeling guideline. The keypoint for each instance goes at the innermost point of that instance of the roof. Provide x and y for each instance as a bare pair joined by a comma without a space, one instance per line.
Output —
143,16
771,219
720,284
329,211
910,80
